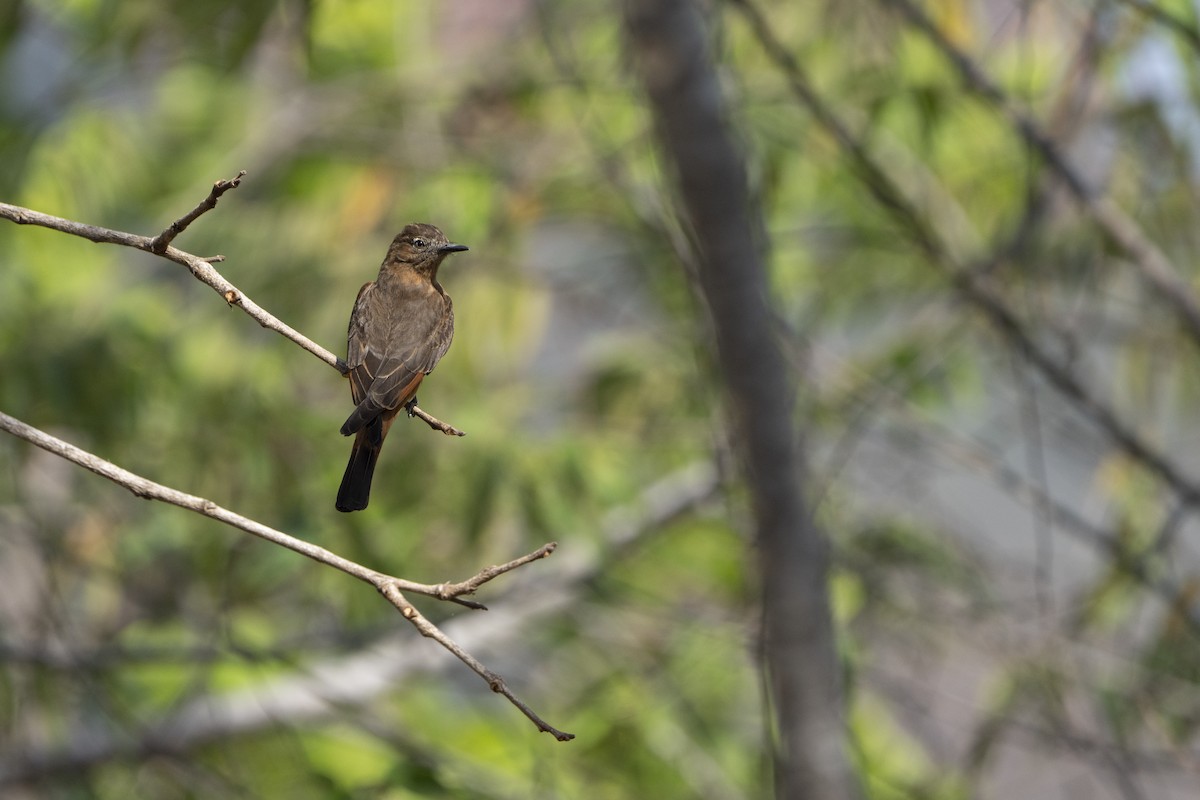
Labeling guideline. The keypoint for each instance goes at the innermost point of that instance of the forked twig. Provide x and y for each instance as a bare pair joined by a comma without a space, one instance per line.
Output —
159,244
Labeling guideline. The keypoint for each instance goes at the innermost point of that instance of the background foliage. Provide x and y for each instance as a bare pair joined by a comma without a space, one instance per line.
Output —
990,647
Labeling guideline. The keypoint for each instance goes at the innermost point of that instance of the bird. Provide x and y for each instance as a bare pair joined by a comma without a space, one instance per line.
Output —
401,326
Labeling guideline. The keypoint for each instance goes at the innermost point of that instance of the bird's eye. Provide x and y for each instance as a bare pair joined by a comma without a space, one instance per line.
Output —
418,242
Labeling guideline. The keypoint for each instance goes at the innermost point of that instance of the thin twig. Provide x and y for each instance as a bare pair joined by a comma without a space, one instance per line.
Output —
450,591
159,244
445,427
428,629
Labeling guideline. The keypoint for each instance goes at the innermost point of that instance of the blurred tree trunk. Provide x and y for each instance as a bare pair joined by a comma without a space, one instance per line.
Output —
670,52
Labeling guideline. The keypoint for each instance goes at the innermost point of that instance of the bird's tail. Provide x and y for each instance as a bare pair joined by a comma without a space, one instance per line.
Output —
355,490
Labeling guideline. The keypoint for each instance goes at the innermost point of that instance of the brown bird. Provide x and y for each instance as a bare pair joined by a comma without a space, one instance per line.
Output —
400,328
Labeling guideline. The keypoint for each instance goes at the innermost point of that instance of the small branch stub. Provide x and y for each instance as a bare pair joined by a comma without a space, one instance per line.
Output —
433,422
160,243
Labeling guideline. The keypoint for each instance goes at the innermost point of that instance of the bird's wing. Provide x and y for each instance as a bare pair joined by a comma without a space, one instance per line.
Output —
362,367
385,375
416,347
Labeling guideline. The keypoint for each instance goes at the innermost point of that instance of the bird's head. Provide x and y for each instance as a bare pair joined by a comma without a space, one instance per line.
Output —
421,246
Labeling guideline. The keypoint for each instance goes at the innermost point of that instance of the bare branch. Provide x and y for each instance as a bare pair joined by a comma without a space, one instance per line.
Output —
445,427
974,286
160,242
451,591
203,270
149,490
1151,262
497,684
334,686
388,585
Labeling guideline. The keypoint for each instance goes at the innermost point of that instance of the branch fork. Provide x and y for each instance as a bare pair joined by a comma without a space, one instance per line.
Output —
158,245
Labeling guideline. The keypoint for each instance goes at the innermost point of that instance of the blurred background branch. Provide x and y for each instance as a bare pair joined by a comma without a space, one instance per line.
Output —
668,45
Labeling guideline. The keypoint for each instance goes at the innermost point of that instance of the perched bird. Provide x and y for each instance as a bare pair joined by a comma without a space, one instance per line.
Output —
400,328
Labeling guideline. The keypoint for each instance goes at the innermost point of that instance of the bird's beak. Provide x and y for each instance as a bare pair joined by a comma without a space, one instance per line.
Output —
452,248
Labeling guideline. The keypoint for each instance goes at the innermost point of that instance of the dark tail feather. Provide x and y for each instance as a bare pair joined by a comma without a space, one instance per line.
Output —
362,416
355,490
